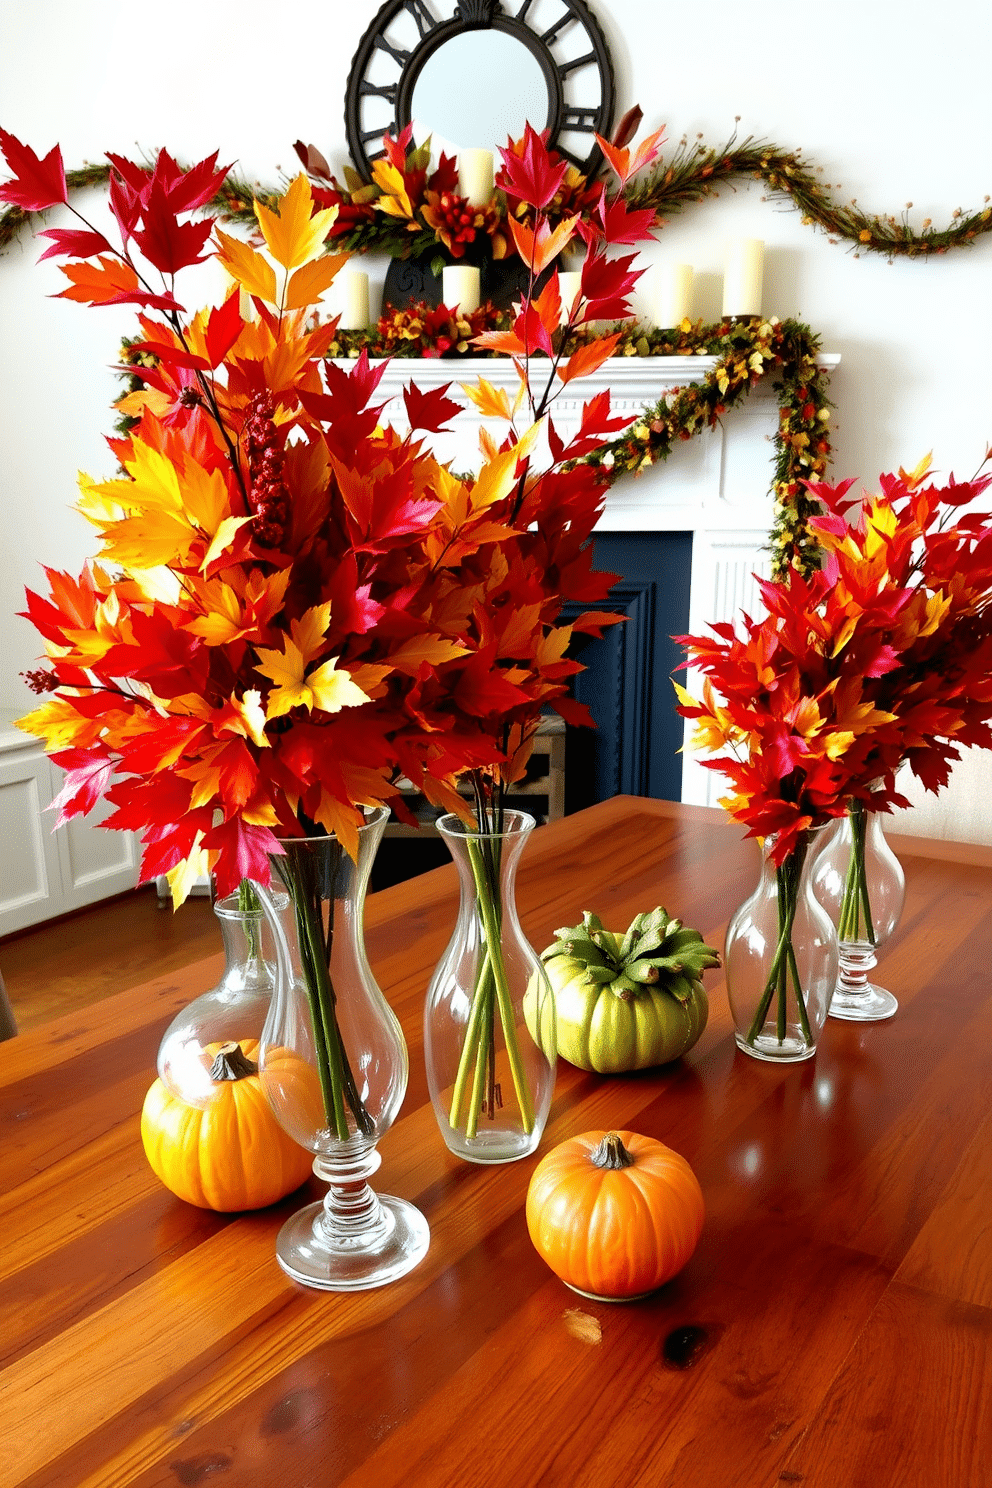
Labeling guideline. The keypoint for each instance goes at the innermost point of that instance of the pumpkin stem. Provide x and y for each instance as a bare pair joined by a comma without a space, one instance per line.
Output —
611,1153
232,1063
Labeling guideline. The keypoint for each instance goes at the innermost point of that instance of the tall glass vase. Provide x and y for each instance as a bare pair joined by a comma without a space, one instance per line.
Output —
334,1066
490,1083
860,883
781,959
233,1011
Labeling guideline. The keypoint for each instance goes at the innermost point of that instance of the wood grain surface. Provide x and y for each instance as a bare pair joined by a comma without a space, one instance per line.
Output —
832,1330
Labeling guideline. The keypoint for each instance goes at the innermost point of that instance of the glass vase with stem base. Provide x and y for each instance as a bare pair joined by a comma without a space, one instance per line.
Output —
781,959
490,1083
860,883
334,1066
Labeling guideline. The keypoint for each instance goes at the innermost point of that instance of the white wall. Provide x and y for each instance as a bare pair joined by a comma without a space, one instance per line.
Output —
890,102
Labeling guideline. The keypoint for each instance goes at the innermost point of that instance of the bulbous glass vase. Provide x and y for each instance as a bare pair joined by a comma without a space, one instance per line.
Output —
860,883
490,1083
334,1066
781,959
234,1011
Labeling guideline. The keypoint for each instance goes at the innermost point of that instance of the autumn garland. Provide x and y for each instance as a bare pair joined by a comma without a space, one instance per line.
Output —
692,175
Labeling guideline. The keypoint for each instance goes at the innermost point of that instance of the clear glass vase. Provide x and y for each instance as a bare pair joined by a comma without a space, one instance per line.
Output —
860,883
490,1083
781,959
234,1011
334,1066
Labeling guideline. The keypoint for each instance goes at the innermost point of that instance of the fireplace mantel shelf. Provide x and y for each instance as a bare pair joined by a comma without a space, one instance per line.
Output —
717,481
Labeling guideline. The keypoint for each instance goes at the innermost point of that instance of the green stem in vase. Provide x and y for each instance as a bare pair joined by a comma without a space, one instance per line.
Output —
490,994
787,877
337,1082
855,901
248,905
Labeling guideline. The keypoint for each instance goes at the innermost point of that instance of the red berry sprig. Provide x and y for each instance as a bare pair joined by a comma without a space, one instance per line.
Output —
267,495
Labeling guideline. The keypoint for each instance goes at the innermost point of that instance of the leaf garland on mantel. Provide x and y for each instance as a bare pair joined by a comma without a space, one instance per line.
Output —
692,174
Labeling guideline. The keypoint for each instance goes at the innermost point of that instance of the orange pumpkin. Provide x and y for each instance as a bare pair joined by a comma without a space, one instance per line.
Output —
232,1155
614,1214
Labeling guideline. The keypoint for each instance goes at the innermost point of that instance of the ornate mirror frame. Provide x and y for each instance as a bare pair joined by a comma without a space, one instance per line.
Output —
571,44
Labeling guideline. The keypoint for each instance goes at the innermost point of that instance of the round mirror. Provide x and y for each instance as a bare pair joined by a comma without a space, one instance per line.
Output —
449,105
472,73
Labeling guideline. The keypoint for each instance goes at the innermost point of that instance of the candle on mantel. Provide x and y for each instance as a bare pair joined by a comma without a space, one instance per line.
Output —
354,300
743,275
675,297
475,176
569,287
460,287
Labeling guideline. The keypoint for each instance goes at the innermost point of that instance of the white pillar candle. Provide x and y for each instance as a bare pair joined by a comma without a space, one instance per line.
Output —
675,296
569,286
460,287
354,300
475,176
742,279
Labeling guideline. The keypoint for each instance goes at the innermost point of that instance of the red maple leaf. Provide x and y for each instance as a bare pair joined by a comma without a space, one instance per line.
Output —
430,410
74,242
534,176
38,184
167,243
88,773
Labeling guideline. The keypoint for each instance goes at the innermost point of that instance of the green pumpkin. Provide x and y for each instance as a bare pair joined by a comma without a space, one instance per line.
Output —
623,1002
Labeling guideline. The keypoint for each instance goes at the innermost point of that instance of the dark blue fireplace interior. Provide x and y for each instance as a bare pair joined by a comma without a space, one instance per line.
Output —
627,684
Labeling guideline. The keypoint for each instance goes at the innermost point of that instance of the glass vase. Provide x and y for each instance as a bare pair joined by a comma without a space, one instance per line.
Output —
334,1066
781,959
860,883
234,1011
490,1082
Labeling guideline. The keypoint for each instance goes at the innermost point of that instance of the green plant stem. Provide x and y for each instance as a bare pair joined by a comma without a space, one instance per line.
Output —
248,905
855,901
491,992
787,877
472,1038
337,1082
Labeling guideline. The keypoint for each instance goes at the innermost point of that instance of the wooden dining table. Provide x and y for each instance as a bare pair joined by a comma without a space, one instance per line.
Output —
833,1328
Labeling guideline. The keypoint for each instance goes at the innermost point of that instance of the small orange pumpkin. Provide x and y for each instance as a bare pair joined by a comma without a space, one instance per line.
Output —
614,1214
232,1155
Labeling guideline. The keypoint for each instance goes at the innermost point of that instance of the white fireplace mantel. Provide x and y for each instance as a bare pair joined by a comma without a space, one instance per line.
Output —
716,485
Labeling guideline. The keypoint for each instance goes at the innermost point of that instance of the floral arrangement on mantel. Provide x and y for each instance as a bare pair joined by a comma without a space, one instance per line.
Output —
369,222
881,657
291,607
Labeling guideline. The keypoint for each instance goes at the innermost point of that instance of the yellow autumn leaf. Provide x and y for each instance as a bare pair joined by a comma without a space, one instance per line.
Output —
153,483
59,724
310,629
93,503
294,235
498,476
247,267
252,715
492,402
340,820
203,495
326,688
914,477
196,864
309,282
222,539
224,618
394,200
